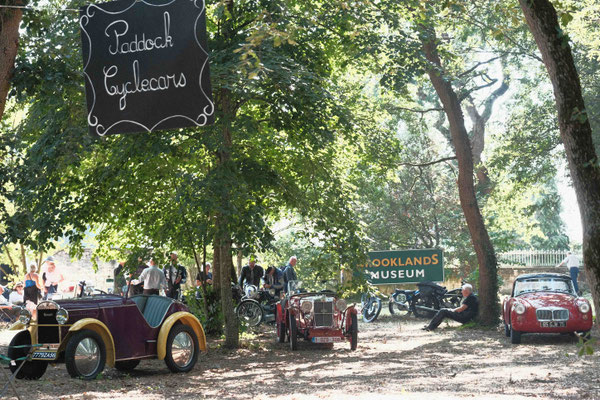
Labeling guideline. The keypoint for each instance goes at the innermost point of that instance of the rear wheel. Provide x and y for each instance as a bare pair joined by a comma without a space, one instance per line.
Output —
515,336
127,365
85,355
31,369
353,332
293,332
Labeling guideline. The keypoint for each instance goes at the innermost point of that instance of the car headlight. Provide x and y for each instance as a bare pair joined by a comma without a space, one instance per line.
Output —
519,308
24,316
341,304
62,316
584,308
306,306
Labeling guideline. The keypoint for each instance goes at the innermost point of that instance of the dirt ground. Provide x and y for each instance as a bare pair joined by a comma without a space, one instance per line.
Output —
394,360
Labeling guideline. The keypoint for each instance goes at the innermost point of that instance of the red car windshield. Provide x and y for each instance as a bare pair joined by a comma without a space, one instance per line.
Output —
543,285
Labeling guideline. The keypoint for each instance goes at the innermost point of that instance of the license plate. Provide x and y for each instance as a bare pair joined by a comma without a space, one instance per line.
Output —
44,355
326,339
553,324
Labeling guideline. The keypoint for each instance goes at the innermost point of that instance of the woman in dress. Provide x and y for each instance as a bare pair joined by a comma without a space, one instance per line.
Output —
32,285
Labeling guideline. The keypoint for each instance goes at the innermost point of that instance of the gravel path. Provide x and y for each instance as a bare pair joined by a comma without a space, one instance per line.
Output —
395,360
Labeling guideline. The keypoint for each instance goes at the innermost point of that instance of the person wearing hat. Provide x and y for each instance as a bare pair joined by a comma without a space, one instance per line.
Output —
176,275
251,273
16,296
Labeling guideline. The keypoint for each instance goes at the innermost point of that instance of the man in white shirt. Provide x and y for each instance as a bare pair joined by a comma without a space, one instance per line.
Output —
16,296
153,278
572,262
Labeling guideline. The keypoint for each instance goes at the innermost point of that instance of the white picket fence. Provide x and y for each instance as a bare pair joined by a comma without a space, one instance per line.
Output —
533,258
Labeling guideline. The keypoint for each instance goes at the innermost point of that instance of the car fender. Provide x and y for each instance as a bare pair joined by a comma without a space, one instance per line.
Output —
101,329
17,326
185,318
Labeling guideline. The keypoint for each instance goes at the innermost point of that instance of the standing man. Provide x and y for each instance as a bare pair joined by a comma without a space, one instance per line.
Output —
289,273
251,273
573,263
153,278
176,275
463,314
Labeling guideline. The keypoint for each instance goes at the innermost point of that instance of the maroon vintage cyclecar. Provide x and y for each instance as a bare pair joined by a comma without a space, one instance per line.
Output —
91,332
545,303
317,317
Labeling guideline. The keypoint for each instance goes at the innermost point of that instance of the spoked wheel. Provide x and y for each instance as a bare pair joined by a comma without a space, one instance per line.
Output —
353,332
250,313
182,348
293,332
31,369
85,355
371,309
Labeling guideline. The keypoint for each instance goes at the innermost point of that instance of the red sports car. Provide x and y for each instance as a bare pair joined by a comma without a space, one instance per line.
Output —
545,303
317,317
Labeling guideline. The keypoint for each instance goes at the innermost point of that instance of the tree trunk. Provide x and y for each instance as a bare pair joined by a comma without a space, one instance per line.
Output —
23,258
10,19
489,309
575,129
10,259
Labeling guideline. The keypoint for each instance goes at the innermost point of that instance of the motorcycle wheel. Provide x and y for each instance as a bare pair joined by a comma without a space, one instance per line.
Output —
371,309
418,301
398,308
250,313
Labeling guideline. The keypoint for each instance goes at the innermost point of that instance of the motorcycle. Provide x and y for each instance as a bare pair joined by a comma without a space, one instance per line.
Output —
424,302
256,306
370,306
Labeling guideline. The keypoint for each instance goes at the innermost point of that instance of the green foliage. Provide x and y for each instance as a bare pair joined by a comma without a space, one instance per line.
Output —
213,322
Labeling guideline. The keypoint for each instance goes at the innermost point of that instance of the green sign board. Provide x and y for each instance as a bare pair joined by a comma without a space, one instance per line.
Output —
404,266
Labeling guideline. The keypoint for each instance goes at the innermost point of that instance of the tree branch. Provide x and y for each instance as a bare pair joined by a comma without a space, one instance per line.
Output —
429,163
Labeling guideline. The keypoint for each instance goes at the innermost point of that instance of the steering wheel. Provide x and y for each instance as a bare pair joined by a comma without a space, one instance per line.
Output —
100,290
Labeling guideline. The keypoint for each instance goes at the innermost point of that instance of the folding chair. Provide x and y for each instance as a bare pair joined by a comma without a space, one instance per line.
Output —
5,360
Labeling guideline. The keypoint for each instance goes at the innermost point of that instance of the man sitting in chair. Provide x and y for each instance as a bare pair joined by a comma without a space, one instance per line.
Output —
463,314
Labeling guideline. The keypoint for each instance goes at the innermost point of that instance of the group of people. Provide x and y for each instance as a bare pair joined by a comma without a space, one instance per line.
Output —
273,278
35,286
152,278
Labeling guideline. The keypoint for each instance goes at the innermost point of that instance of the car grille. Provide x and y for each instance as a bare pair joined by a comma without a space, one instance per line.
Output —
560,314
47,334
323,313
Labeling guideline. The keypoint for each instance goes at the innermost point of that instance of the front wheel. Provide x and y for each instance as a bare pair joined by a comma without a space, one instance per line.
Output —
515,336
249,312
353,332
506,330
293,333
371,309
182,348
31,369
85,355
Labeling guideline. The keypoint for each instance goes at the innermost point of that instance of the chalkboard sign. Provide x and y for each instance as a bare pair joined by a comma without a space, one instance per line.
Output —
145,65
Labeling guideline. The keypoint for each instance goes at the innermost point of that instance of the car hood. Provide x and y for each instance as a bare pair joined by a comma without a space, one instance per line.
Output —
547,299
91,302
